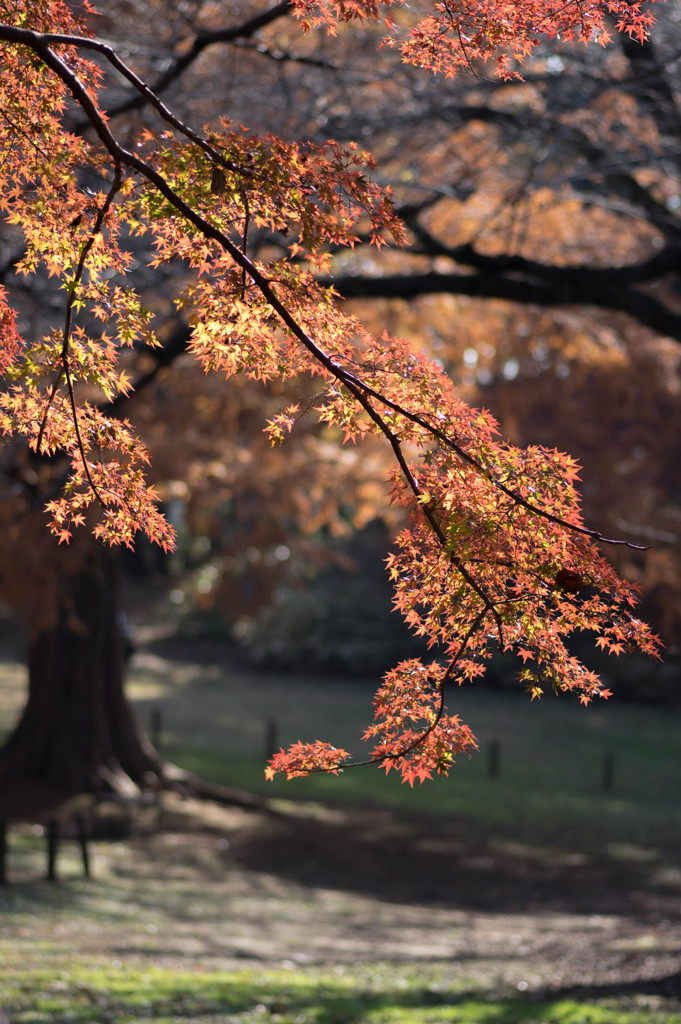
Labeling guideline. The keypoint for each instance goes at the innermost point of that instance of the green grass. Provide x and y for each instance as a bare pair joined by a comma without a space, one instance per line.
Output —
550,784
381,994
526,810
551,756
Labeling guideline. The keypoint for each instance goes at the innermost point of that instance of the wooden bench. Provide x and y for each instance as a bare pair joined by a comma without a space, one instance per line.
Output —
57,812
61,816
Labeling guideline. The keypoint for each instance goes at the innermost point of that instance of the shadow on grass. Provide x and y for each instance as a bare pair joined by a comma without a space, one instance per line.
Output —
379,854
395,858
668,986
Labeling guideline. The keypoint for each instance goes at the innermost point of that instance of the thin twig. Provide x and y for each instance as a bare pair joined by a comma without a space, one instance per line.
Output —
143,89
202,40
65,370
245,242
427,507
79,439
48,406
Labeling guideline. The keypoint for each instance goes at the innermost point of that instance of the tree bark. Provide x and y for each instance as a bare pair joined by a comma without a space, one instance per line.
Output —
78,733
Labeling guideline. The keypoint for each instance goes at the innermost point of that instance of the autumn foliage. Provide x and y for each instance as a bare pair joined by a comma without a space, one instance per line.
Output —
494,556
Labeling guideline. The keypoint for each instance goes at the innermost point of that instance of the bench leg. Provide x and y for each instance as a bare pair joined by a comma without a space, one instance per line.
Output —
52,846
81,832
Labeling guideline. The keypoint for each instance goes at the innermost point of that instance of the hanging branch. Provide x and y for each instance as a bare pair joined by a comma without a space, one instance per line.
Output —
412,692
65,369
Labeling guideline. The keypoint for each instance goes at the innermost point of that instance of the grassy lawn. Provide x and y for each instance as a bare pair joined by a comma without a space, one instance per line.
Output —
129,946
551,754
298,996
549,786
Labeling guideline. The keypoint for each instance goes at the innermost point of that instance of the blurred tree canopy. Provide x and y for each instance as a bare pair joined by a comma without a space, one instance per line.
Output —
545,225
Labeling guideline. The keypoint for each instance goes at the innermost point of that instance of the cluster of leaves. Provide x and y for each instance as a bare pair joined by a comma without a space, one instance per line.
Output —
495,558
11,339
495,555
455,34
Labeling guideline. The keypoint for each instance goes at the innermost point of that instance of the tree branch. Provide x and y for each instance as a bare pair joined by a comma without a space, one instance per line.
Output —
605,288
245,30
605,175
122,157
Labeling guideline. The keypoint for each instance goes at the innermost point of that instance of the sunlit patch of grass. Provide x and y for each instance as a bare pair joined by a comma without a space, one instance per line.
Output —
292,996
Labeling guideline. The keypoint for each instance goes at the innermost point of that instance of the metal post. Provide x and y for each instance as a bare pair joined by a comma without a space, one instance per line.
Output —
81,832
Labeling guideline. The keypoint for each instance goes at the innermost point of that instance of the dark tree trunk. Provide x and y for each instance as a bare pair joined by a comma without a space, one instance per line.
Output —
78,733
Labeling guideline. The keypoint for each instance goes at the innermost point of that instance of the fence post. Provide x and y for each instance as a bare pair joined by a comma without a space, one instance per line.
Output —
493,760
608,774
271,738
156,728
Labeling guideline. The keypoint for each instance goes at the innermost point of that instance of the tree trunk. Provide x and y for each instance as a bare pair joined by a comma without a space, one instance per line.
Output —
78,733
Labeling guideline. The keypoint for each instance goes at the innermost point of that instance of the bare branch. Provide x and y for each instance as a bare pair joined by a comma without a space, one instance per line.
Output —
203,40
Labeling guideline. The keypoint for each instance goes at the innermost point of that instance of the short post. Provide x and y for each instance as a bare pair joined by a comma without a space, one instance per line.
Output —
81,833
271,738
156,728
493,760
608,774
